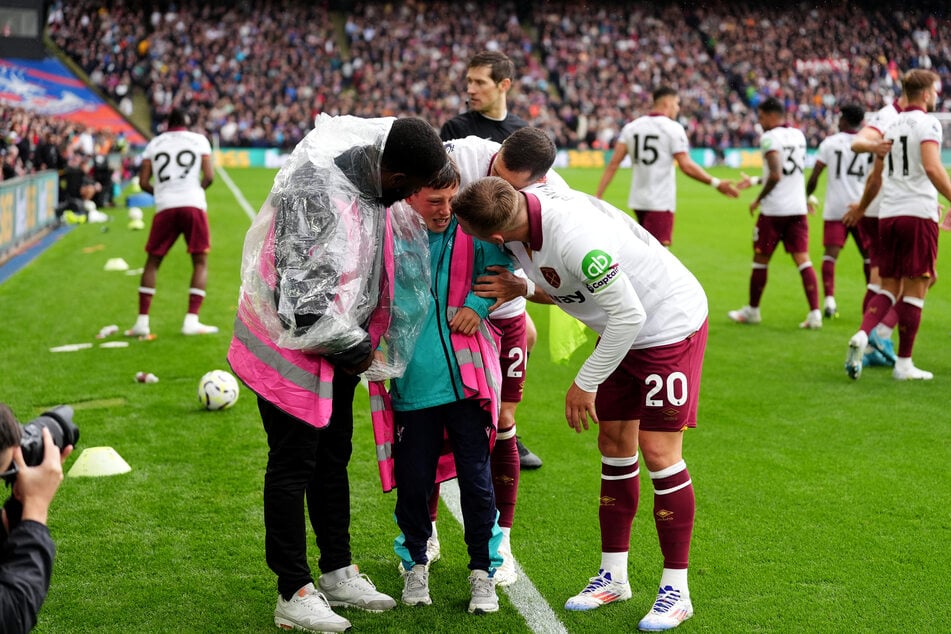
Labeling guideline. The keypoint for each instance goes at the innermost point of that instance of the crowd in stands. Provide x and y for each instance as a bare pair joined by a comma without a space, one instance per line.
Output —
30,143
256,72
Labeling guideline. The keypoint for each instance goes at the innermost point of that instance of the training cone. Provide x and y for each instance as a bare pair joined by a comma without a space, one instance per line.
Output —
116,264
99,461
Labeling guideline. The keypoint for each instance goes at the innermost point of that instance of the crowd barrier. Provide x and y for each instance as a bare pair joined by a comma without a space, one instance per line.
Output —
27,207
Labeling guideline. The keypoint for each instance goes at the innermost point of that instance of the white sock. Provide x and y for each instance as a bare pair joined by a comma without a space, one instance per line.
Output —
191,319
141,322
616,564
675,578
883,331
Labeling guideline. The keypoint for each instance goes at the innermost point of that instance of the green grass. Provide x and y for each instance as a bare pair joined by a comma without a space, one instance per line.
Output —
822,502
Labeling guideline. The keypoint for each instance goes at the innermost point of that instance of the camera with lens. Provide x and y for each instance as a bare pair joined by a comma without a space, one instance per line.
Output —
59,421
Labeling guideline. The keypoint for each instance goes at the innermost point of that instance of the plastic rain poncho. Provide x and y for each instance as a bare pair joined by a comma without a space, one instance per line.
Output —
319,257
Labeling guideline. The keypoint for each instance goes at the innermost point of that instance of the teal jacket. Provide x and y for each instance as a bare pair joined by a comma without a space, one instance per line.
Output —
432,375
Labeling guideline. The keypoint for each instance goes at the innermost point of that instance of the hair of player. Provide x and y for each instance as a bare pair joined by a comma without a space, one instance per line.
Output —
916,81
501,66
771,105
488,205
413,148
177,118
852,115
528,150
10,430
446,178
662,92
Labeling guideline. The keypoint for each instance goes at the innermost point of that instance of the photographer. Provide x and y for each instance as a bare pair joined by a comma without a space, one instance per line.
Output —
26,549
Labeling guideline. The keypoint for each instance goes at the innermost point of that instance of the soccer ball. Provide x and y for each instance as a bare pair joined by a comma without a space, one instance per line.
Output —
218,390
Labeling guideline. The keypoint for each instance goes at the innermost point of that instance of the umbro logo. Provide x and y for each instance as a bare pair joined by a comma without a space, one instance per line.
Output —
607,500
664,515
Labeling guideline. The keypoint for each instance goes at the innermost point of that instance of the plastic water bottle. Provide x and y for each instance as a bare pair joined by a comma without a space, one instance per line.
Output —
146,377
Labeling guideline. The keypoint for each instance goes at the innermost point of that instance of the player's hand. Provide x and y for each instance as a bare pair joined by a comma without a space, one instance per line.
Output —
579,405
502,284
745,182
852,215
728,189
811,203
465,322
754,206
882,148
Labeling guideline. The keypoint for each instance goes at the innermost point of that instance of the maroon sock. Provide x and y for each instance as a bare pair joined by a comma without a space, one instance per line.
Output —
891,317
878,306
674,509
869,294
811,285
620,488
195,297
145,299
757,284
828,276
505,472
909,319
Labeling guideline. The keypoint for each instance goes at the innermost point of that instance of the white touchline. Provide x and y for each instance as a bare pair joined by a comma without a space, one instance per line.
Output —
242,201
523,594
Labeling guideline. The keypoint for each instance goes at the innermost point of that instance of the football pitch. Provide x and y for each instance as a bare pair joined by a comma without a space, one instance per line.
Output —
823,504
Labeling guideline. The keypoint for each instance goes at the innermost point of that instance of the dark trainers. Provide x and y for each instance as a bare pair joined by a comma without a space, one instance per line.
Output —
526,459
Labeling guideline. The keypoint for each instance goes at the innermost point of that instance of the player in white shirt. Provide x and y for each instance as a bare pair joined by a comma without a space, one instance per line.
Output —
783,208
655,142
524,158
180,161
641,384
844,186
864,214
908,223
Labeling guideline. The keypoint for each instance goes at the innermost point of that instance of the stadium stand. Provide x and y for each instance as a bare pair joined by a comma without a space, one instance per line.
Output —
256,72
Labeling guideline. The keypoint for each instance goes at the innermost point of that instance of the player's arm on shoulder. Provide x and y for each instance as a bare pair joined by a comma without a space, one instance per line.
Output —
873,185
870,139
620,151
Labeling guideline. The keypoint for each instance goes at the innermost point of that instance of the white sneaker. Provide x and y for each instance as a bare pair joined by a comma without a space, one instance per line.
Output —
484,599
506,575
906,371
137,331
600,590
198,328
353,590
830,310
745,315
432,547
416,585
670,610
813,320
308,610
854,357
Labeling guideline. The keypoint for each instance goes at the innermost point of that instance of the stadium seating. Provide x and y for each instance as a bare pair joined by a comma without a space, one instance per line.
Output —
255,73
